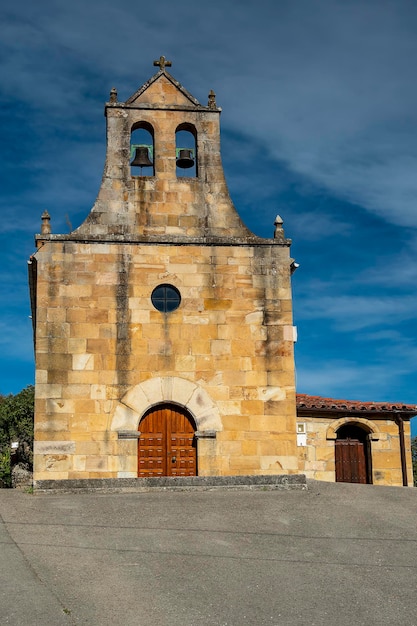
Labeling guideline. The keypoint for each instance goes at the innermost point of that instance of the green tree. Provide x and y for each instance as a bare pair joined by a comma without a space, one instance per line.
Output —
414,457
16,424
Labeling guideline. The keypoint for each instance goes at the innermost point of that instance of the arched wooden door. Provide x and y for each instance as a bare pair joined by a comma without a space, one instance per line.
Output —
352,455
167,446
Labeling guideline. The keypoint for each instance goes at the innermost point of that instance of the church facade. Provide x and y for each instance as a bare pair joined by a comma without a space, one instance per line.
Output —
163,331
163,326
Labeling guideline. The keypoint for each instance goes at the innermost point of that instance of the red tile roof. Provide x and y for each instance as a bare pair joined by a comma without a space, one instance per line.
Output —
305,401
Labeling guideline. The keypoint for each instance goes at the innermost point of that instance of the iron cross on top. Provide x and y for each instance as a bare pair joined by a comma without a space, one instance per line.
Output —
162,63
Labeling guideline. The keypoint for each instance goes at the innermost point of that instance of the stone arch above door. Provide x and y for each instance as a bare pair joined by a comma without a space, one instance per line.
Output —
173,389
369,427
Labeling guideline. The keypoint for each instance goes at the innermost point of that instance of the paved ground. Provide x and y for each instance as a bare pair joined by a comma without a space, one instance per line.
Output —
342,555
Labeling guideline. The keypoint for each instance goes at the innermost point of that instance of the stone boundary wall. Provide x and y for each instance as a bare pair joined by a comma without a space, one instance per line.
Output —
165,483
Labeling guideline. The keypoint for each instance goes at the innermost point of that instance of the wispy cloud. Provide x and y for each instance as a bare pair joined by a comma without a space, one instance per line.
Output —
397,271
351,380
316,226
349,312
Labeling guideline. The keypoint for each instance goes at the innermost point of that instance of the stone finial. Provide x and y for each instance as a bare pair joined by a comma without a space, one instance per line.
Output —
46,223
212,100
162,63
279,231
113,94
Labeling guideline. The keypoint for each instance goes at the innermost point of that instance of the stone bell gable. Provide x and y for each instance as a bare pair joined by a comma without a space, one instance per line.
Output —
160,203
163,326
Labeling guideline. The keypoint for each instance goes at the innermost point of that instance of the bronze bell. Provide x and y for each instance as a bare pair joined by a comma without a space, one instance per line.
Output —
141,158
185,158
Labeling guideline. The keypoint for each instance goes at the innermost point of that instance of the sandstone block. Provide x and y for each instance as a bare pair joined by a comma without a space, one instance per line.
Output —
83,361
245,464
96,463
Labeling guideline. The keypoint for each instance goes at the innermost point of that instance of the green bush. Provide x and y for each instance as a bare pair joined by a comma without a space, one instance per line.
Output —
16,424
5,469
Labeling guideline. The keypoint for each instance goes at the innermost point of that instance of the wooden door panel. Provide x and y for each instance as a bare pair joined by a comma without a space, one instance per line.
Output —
181,450
361,464
166,446
152,446
152,456
350,461
184,453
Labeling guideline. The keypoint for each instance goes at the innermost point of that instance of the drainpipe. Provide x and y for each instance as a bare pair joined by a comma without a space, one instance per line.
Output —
32,271
400,422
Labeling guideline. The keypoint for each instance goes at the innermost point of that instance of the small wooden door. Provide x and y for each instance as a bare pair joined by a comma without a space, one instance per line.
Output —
167,446
350,461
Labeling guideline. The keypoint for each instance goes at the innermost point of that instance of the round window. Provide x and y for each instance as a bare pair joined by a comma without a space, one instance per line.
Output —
166,298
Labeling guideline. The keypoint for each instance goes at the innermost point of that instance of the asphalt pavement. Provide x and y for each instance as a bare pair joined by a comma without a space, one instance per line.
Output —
336,554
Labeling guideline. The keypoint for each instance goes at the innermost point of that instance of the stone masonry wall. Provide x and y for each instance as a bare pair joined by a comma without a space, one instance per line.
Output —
317,458
98,336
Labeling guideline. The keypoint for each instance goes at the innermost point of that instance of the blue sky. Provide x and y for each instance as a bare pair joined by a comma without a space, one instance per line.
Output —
318,125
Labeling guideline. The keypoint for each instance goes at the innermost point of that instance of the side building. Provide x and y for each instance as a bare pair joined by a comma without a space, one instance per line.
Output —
351,441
